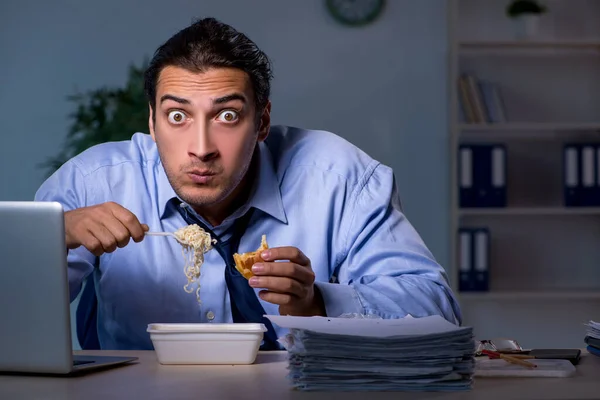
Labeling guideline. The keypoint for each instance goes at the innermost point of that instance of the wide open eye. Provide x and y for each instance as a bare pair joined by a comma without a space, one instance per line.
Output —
176,117
228,116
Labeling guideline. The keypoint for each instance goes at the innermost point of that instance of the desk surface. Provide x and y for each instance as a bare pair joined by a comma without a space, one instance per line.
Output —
265,379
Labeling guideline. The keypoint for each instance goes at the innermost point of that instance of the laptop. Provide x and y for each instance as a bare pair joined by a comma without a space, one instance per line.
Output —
35,323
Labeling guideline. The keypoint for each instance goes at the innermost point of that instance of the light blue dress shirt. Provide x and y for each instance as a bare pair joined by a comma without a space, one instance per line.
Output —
315,191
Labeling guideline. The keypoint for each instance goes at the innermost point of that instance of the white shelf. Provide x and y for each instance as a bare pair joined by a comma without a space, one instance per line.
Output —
530,127
525,44
528,136
549,211
532,295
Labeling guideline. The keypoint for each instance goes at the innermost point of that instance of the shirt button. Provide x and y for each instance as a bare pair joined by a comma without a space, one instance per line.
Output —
210,315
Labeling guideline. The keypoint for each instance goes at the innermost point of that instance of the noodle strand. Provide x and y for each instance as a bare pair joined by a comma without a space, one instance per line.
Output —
195,241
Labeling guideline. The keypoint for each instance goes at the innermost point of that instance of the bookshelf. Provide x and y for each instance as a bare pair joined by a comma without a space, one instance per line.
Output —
531,127
517,211
544,257
517,296
513,45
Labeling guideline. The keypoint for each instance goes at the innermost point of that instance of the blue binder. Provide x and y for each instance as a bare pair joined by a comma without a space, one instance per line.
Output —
571,175
581,175
466,184
474,259
481,259
466,279
588,175
482,175
596,190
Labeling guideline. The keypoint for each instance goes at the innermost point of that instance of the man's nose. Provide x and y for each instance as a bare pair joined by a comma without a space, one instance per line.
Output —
201,145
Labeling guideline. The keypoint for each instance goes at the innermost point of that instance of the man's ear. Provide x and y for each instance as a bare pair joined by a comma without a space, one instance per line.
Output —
151,122
265,123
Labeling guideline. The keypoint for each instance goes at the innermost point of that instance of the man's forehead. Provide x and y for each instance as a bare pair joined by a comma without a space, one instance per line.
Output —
213,80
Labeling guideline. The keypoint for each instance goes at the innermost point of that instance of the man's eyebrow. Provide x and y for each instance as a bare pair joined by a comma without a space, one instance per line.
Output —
230,97
174,98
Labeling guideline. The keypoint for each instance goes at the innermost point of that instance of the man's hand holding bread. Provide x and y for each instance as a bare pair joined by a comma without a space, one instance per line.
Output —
286,276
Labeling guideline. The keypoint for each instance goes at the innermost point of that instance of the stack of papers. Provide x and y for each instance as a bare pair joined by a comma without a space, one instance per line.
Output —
593,329
408,354
592,337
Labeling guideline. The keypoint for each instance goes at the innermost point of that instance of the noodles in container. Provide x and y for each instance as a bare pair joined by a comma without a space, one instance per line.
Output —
195,241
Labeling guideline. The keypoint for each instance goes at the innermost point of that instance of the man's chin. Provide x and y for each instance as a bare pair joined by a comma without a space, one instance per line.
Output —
196,201
201,197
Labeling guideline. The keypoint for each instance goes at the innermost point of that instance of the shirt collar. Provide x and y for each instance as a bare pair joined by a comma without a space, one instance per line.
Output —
265,195
165,192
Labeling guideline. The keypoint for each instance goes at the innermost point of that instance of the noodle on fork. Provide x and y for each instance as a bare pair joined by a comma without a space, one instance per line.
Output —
195,241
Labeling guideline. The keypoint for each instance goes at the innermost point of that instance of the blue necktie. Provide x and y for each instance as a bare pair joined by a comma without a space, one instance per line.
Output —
87,317
245,306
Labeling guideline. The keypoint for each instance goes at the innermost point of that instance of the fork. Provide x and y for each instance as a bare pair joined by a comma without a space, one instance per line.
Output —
166,234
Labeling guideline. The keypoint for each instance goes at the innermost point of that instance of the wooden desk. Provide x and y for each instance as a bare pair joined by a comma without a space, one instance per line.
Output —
147,380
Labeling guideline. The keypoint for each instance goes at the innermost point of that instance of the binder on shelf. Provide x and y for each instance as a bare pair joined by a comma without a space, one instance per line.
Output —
474,259
481,241
597,170
571,175
466,281
581,174
482,175
497,189
588,175
467,190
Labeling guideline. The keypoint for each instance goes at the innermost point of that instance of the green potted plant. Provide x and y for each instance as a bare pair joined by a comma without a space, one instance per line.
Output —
526,15
103,115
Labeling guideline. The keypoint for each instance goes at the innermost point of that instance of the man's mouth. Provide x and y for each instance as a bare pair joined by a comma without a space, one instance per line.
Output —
201,176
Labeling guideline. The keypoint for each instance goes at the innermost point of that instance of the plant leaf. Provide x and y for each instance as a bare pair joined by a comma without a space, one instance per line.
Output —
103,115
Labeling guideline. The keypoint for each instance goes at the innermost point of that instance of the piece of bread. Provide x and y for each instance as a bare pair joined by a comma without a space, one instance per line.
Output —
245,261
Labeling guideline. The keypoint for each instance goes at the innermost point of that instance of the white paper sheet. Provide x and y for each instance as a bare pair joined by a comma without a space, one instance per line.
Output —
408,326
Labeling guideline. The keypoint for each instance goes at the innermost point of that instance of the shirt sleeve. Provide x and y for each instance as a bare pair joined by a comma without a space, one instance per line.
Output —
67,186
386,269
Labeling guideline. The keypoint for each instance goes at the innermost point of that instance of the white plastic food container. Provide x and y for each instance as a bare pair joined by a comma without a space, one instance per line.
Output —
206,343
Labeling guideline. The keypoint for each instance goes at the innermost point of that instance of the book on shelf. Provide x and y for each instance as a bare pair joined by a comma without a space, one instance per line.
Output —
479,101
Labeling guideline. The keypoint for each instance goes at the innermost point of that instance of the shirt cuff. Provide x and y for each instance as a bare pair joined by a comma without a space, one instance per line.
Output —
339,299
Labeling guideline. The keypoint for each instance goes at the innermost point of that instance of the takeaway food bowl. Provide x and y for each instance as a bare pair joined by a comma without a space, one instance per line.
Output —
206,343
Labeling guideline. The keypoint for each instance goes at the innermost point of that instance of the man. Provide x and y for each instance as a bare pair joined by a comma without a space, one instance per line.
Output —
329,211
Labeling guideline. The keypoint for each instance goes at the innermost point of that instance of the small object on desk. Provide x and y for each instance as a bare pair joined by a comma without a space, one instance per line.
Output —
506,345
592,341
512,348
522,356
497,368
500,345
510,359
572,355
593,350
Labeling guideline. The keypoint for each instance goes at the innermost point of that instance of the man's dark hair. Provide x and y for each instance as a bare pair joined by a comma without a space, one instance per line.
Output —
209,43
